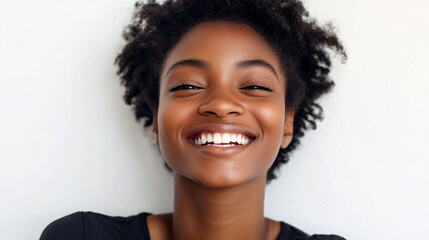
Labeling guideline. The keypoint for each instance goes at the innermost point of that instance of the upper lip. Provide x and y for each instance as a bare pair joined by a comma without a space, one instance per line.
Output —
220,128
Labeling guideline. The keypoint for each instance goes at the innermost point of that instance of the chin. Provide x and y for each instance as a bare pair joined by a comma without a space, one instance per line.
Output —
222,179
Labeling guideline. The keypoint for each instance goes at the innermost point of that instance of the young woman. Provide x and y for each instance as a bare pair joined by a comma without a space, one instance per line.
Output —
229,87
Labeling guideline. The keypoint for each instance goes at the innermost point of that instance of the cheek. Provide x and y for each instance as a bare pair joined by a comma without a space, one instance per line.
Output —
172,116
270,118
273,124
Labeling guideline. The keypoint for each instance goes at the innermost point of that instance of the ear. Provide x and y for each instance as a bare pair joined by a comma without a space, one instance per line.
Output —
288,129
155,127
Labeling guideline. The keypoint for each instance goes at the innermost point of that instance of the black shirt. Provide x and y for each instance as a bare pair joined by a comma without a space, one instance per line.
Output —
95,226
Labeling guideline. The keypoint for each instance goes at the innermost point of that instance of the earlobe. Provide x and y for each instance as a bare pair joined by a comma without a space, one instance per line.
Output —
288,129
155,128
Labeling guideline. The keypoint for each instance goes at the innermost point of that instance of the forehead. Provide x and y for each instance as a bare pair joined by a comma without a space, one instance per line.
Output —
222,44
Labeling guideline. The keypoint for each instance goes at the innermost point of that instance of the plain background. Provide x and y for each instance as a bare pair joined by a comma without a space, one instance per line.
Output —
69,143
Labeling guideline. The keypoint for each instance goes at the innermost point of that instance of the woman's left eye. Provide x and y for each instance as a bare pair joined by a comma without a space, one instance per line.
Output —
184,87
257,87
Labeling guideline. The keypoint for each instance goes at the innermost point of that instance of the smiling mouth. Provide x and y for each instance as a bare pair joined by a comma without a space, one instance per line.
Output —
221,139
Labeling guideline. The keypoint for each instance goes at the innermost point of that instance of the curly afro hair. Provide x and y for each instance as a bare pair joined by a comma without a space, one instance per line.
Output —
302,45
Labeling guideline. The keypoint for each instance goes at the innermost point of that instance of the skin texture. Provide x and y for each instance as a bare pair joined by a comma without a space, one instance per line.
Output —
220,195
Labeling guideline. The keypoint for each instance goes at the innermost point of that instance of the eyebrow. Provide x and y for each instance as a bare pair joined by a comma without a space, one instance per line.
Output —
205,65
188,62
257,62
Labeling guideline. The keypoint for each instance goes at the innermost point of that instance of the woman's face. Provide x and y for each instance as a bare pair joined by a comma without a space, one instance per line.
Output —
221,117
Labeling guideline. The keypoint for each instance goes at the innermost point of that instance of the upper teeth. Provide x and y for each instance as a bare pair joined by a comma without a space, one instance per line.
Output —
219,138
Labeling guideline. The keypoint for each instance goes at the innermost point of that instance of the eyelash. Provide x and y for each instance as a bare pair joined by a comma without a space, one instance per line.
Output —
184,87
192,87
258,87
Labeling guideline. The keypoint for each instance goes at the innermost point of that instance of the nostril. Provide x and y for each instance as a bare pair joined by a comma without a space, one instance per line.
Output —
220,113
221,108
210,112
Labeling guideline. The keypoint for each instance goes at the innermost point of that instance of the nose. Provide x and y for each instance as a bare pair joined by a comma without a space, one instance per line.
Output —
221,105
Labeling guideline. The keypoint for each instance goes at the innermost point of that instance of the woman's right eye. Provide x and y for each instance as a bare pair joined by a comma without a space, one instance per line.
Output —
184,87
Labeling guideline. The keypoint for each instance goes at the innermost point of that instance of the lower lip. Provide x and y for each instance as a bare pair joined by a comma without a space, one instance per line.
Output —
220,151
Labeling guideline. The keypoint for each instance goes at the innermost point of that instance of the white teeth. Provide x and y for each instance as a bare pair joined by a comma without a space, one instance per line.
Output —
217,138
226,138
233,138
209,138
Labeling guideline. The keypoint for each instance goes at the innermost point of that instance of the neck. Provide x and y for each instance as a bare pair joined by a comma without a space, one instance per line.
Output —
219,213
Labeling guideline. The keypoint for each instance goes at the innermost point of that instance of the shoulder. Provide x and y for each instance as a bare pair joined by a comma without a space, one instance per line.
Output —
70,227
290,232
90,225
160,225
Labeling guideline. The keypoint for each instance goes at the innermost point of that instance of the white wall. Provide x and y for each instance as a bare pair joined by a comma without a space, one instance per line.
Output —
69,143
